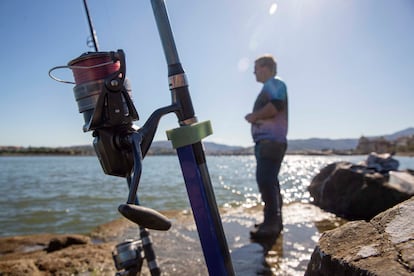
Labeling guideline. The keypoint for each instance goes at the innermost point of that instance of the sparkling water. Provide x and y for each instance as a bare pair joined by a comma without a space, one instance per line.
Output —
65,194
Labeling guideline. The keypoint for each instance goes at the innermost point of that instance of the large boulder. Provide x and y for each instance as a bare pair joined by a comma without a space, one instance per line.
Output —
382,246
355,191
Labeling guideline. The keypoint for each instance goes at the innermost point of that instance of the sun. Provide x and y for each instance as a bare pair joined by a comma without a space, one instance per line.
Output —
273,9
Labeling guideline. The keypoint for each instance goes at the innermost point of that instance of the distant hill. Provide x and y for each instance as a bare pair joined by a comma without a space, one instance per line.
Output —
294,145
165,148
402,133
340,144
322,144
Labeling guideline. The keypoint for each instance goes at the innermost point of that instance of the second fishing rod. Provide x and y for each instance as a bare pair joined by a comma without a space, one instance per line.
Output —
103,95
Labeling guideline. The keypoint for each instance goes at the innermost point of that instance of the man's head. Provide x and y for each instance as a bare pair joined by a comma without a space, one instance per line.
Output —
265,68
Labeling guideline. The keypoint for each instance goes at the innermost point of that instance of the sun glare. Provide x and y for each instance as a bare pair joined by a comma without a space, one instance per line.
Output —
272,9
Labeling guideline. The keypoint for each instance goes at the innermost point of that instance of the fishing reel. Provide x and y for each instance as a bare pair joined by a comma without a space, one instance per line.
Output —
103,94
128,257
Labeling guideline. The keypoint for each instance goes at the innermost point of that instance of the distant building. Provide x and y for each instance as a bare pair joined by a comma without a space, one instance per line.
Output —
378,145
403,141
405,144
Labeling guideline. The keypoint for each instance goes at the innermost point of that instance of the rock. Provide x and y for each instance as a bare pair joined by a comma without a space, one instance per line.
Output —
402,181
382,246
54,254
58,243
354,191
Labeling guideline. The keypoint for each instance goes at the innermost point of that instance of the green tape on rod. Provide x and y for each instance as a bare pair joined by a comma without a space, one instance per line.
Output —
188,135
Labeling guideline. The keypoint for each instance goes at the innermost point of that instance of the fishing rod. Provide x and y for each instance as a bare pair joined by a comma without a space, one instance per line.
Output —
103,95
91,28
187,141
144,217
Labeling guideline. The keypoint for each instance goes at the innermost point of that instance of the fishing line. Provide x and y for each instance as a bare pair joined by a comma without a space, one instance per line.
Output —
96,74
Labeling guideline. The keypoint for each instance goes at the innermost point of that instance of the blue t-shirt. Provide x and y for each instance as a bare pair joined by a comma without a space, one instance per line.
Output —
275,129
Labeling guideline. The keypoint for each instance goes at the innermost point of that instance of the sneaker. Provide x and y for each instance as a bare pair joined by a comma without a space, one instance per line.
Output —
256,225
266,231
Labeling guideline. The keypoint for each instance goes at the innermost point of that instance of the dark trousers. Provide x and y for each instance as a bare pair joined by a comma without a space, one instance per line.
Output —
269,157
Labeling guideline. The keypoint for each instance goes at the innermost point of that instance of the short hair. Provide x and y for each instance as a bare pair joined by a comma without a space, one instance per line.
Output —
269,62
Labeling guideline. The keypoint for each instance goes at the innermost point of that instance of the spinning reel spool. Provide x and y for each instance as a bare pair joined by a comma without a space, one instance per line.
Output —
102,91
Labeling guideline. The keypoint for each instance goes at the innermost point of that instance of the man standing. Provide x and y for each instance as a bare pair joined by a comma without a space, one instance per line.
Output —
269,125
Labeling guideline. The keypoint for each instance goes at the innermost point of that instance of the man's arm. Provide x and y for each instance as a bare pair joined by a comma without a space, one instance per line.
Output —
268,111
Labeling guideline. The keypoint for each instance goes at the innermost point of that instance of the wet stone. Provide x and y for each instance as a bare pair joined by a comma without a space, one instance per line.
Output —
382,246
178,250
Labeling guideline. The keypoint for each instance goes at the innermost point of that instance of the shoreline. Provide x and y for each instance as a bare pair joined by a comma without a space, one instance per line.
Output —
178,250
292,153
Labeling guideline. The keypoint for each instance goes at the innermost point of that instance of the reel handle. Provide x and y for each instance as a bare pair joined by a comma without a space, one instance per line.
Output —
145,217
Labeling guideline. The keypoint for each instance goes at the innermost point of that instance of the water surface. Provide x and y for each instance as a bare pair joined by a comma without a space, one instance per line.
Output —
61,194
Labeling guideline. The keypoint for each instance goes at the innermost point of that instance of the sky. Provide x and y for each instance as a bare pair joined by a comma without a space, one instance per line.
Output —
348,64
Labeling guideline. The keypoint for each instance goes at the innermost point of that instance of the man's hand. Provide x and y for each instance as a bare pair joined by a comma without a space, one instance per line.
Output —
251,118
266,112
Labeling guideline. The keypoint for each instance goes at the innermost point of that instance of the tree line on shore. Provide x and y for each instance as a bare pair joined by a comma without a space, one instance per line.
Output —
77,150
401,146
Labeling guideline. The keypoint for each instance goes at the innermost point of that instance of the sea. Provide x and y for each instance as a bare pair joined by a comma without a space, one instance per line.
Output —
71,194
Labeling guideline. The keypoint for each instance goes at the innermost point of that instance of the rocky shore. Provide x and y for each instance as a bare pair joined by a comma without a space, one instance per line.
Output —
178,250
381,246
313,242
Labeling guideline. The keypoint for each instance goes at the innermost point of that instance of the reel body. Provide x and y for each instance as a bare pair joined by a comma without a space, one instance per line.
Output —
128,257
104,97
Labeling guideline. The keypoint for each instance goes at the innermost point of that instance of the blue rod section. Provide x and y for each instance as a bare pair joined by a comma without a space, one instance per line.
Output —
205,214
